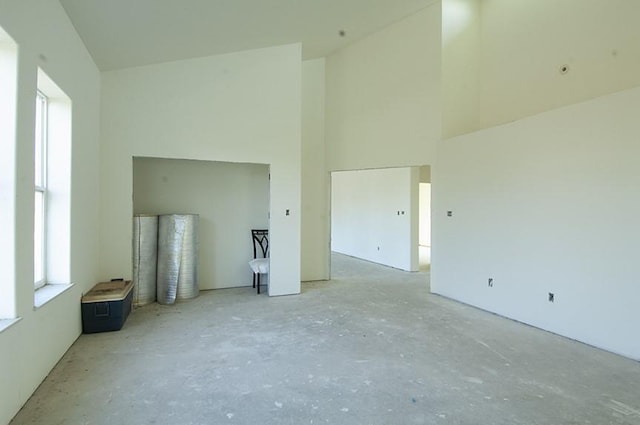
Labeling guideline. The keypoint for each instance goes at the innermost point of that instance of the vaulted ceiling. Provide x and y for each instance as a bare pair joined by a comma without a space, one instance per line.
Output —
127,33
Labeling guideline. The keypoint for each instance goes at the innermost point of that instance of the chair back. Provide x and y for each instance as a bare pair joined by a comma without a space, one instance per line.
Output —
260,242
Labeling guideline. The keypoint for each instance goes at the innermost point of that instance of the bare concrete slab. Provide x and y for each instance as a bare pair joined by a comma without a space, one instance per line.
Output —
371,346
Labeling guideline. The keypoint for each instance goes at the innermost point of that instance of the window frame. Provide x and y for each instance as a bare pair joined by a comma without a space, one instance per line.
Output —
40,190
8,177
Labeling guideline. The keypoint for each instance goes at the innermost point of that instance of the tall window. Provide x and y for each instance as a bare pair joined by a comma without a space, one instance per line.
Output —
40,209
52,191
8,102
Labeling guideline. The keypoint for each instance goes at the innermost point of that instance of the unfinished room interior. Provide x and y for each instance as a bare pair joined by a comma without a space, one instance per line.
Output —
450,189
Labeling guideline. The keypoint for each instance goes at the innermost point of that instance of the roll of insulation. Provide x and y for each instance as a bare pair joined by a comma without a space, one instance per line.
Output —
145,258
177,257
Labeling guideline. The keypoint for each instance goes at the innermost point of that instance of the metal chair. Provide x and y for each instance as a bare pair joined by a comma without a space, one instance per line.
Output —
260,263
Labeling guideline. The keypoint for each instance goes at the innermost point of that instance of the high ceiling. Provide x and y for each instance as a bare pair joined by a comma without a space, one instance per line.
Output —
126,33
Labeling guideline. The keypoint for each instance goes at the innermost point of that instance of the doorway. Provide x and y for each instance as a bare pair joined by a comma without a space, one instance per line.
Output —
424,221
383,216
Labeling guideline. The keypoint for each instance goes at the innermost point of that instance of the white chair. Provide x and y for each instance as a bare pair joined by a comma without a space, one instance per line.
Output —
260,263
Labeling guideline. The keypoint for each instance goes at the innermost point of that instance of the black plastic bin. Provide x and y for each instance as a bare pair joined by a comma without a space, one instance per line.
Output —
106,306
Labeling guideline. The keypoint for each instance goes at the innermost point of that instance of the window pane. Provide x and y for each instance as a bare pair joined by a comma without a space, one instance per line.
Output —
39,140
40,209
38,239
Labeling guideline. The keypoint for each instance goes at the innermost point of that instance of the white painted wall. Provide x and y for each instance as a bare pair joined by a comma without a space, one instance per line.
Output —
315,248
460,66
383,103
374,215
546,204
33,345
523,195
239,107
231,199
525,43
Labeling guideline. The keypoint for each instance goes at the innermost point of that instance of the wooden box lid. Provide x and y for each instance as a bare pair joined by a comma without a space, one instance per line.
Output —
108,291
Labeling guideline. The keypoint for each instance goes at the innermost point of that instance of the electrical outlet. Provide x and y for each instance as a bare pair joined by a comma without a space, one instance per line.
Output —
551,297
490,282
449,213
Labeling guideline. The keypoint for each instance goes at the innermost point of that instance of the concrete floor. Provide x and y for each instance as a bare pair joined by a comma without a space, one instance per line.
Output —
371,346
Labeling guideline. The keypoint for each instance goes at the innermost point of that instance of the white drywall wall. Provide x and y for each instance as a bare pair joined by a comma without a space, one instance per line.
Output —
425,174
374,215
460,66
383,105
239,107
524,44
33,345
315,247
547,204
231,199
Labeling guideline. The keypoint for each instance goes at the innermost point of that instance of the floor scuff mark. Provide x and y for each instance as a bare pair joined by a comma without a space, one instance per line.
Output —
488,347
622,408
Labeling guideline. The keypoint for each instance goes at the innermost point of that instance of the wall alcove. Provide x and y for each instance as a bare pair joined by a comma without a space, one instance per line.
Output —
231,199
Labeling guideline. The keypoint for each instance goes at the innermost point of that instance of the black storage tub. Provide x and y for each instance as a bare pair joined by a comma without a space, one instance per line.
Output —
106,307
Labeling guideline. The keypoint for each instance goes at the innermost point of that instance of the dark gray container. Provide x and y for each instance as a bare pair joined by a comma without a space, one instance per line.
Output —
106,306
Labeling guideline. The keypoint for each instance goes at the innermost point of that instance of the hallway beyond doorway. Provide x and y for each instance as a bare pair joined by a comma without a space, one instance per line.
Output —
424,253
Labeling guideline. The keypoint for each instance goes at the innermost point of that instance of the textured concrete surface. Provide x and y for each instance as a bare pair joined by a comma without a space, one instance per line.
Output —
371,346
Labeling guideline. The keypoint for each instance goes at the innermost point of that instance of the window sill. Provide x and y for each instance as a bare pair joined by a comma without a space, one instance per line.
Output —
48,292
7,323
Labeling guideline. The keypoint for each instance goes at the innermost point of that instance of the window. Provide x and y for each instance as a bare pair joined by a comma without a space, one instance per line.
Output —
40,203
8,101
52,191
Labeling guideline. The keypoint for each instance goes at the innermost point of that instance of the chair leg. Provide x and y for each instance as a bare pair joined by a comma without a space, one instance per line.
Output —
254,280
258,282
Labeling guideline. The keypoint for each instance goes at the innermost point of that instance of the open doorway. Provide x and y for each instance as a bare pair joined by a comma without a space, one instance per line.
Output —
379,215
424,220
